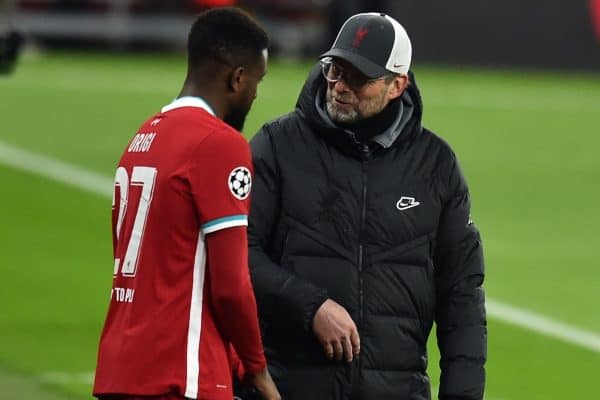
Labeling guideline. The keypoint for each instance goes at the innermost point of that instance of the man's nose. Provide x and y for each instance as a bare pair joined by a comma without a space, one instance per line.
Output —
341,86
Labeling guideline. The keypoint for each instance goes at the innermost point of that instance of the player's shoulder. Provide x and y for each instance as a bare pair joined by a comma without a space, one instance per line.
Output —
227,132
225,137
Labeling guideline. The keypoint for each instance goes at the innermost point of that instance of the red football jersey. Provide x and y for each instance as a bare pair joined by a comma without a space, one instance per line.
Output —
184,175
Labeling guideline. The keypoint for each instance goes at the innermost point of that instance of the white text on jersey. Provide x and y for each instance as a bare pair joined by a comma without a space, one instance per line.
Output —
141,142
122,295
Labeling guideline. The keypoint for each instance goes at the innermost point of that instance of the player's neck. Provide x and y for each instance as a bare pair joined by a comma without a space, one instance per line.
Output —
209,96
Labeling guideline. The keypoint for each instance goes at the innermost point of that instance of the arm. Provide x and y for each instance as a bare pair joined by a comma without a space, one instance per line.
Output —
460,313
281,295
222,214
231,295
220,180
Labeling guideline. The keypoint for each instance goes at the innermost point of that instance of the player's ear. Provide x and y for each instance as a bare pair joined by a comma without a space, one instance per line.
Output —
399,84
236,78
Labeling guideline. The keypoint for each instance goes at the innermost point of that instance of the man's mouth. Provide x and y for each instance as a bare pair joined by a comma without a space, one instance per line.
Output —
339,101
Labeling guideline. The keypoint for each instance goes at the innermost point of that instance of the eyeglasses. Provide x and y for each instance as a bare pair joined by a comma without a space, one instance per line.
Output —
333,72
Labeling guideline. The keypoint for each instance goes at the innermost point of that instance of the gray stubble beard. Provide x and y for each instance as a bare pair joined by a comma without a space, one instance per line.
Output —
352,116
341,116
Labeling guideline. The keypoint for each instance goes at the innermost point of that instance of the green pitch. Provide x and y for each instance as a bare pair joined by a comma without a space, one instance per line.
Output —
529,144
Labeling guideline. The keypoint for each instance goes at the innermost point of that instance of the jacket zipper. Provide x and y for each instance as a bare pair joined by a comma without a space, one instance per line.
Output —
363,216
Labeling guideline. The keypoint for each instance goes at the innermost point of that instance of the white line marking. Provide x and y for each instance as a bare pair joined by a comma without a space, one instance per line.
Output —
93,182
543,325
55,169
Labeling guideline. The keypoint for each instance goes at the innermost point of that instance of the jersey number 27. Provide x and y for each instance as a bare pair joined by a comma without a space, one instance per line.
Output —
144,177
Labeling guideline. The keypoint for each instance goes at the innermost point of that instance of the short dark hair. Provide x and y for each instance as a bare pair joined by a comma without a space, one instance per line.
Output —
225,35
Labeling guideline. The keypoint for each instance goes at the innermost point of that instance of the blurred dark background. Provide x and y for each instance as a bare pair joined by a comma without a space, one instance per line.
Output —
553,34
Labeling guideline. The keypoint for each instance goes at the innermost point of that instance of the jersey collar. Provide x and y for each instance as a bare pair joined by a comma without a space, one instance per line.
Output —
188,101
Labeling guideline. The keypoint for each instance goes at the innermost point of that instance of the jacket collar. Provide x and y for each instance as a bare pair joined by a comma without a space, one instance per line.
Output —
385,139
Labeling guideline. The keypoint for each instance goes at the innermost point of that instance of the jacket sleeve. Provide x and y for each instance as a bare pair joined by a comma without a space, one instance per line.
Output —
460,312
281,295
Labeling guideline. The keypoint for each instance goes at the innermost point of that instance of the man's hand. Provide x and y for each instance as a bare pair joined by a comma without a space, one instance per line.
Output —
264,384
336,331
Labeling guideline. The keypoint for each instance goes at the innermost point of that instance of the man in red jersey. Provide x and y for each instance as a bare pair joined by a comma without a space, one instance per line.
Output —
181,294
595,15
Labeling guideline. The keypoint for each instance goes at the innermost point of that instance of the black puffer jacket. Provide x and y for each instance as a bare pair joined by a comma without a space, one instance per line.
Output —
385,231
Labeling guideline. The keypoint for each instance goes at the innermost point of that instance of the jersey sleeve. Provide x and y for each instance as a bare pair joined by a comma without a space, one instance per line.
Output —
220,173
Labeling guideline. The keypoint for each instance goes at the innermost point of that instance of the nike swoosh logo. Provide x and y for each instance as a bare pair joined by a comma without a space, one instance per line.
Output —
406,202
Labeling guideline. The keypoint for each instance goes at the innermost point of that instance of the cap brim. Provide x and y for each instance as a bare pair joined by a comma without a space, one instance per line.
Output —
369,68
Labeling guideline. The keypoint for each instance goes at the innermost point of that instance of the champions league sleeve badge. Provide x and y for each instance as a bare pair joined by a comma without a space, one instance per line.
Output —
240,182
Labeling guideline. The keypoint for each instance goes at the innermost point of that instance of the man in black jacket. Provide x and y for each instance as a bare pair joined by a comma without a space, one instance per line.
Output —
360,235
